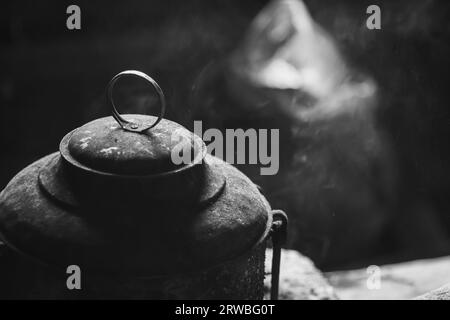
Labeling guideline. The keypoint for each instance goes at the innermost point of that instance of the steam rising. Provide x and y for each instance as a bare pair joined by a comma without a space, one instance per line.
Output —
286,50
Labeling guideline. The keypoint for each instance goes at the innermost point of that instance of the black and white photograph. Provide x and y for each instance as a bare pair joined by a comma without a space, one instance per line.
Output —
224,155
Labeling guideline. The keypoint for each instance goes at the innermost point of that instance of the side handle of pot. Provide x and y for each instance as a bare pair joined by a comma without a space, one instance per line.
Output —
279,236
3,269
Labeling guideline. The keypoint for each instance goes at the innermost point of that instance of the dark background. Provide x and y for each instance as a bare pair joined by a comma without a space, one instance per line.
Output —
52,80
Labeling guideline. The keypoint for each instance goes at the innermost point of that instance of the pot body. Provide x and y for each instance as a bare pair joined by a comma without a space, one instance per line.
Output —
241,278
36,253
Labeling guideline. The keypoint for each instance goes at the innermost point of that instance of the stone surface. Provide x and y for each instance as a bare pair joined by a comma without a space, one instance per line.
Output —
398,281
299,278
442,293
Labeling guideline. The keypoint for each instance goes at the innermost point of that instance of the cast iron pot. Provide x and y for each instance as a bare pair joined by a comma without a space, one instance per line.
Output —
114,204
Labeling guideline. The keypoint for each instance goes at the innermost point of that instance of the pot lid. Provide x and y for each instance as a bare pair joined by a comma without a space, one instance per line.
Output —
103,145
133,144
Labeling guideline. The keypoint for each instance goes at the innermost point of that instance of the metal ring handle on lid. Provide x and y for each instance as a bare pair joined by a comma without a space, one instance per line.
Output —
129,125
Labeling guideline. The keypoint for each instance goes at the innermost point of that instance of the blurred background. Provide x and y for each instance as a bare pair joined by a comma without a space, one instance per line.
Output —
363,114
